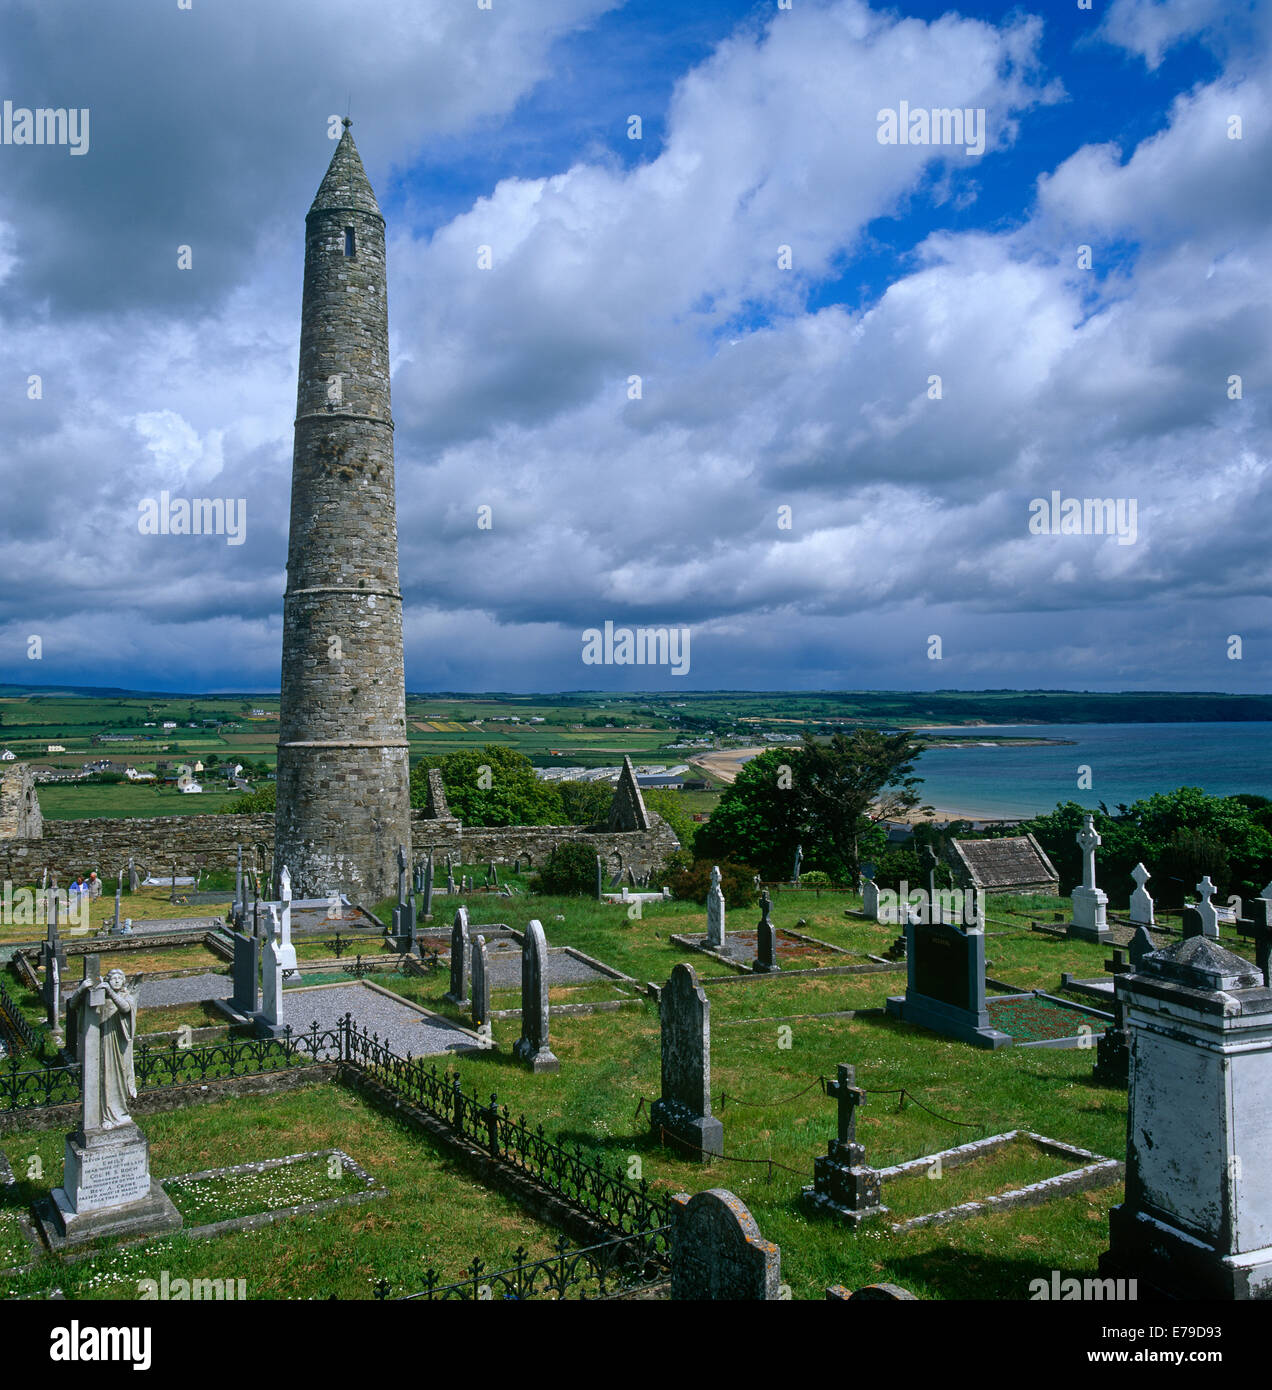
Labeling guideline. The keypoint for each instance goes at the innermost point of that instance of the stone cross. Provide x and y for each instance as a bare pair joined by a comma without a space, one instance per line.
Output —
458,993
119,892
1089,841
1141,908
765,962
532,1047
481,983
450,876
1209,917
53,997
401,861
239,902
799,859
849,1095
715,911
132,875
929,861
600,879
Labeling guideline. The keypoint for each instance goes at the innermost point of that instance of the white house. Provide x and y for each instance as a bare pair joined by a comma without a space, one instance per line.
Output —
8,757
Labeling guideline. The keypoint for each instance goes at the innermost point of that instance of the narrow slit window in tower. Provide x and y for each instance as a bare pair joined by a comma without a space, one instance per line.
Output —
351,245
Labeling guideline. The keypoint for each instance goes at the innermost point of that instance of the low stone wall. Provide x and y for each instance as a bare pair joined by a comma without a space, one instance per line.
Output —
210,842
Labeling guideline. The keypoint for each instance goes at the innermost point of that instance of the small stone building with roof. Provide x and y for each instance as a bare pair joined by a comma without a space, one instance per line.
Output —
1014,864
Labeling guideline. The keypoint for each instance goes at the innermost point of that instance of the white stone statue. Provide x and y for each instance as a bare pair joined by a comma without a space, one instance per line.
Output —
106,1028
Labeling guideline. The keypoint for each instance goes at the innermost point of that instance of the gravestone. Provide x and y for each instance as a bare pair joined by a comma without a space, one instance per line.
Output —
532,1047
683,1111
132,875
450,876
247,949
843,1185
928,862
106,1188
1196,1221
401,865
799,859
52,992
492,875
1259,929
718,1253
600,879
1206,909
945,983
765,962
870,894
481,983
269,1021
287,951
1141,908
426,909
458,992
119,893
1090,904
1112,1057
240,903
715,911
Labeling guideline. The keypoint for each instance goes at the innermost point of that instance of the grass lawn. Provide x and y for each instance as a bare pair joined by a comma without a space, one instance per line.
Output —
434,1213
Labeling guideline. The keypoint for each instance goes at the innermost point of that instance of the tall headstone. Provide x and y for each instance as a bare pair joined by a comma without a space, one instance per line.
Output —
269,1021
1196,1221
1141,908
247,950
426,909
715,911
450,877
132,875
799,859
718,1253
1259,928
119,893
1206,908
343,755
928,862
458,992
287,951
945,982
1090,904
53,996
869,893
683,1111
532,1047
106,1189
843,1185
765,962
481,983
600,879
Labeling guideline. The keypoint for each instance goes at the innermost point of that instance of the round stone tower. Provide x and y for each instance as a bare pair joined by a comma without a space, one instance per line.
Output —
343,767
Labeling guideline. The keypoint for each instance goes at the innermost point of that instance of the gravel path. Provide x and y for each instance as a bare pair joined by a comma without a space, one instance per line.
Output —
402,1028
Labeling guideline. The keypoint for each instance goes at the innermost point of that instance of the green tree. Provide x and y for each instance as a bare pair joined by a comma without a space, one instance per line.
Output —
668,804
569,871
585,803
257,802
492,785
829,797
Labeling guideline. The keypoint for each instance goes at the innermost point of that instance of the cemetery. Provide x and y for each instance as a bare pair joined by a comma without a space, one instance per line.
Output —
844,1102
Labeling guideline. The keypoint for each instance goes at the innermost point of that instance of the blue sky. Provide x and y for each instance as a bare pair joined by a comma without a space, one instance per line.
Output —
787,487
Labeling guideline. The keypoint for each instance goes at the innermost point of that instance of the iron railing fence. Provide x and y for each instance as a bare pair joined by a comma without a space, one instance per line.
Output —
627,1264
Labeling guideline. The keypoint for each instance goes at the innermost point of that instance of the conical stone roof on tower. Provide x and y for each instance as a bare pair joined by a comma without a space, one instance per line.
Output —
343,764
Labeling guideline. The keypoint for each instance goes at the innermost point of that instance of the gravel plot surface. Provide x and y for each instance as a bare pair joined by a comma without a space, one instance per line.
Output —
190,989
400,1027
563,968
